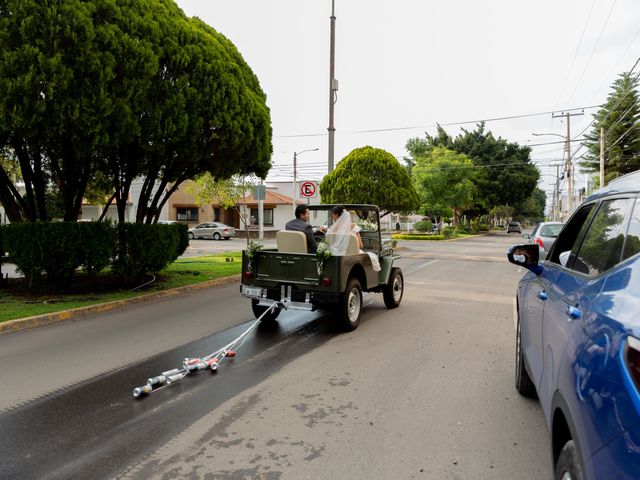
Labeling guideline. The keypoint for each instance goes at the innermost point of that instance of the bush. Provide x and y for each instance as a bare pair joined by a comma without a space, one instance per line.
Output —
450,232
58,249
423,226
147,248
417,237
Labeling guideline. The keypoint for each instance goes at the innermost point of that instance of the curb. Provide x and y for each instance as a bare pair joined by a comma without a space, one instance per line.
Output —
21,324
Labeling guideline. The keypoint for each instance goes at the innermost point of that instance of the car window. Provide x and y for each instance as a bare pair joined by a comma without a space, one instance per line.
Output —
573,231
550,230
535,230
602,245
632,242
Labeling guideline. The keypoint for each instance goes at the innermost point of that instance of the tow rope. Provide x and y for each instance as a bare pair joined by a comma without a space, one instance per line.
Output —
194,365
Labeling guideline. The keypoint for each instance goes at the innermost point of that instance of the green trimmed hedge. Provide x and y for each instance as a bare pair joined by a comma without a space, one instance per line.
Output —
423,226
417,237
55,250
148,248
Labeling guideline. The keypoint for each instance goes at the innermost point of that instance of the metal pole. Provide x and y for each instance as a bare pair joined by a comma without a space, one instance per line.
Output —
293,195
601,157
261,215
556,205
569,166
332,81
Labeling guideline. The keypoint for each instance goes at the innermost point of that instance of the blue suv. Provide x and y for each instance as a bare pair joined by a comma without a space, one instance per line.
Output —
578,335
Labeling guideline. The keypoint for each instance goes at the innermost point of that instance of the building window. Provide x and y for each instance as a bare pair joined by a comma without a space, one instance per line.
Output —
268,216
216,214
187,214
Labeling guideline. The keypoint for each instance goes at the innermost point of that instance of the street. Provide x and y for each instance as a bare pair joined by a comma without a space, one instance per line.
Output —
423,391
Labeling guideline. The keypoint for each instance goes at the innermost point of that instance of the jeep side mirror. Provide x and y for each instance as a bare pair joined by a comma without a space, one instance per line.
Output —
527,256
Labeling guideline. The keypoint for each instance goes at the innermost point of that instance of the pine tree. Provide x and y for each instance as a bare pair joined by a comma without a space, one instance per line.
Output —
620,118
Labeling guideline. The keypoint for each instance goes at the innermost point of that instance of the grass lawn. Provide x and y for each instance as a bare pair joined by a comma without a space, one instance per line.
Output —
16,303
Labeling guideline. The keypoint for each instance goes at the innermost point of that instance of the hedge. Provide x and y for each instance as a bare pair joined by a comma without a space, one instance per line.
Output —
417,237
60,248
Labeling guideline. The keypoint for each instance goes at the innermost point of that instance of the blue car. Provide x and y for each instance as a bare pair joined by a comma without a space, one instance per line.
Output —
578,335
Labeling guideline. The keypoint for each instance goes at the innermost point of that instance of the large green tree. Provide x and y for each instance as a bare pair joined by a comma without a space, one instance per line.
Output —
620,118
372,176
444,178
127,89
505,173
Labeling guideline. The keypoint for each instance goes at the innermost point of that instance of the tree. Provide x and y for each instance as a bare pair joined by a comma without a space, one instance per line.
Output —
228,193
532,208
620,118
127,89
370,175
505,174
443,178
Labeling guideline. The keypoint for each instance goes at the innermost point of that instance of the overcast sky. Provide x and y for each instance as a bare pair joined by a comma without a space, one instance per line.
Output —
412,63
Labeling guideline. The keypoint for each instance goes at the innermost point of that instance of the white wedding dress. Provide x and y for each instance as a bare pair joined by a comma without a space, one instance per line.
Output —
344,226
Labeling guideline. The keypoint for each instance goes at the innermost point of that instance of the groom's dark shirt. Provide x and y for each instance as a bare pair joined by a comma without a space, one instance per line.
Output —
298,225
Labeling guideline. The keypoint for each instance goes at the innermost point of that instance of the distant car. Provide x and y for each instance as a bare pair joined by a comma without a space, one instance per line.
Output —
578,335
545,234
514,227
215,230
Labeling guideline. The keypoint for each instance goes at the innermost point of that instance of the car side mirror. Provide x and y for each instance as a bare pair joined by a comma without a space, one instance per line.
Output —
527,256
527,236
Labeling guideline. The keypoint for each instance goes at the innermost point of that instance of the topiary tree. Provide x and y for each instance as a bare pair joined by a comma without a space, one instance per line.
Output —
372,176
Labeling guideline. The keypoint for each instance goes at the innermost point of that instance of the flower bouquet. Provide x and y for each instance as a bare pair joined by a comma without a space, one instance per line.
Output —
323,253
367,226
251,252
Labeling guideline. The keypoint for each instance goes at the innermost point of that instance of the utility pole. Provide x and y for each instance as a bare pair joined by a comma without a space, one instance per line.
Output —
294,191
568,116
556,195
261,212
601,157
333,83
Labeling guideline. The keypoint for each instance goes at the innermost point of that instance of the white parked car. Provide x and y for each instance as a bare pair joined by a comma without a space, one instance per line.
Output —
214,230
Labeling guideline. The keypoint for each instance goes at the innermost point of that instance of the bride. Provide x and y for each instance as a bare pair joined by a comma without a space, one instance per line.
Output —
342,224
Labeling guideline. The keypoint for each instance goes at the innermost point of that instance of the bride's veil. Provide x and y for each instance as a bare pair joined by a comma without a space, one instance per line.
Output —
342,228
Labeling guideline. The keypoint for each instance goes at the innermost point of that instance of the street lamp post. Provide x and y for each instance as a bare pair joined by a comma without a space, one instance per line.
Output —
295,166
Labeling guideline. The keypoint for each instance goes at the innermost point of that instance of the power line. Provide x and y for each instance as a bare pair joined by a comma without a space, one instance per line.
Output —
450,124
575,55
595,46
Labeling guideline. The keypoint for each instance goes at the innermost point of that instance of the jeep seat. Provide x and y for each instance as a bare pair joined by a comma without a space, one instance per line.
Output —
291,242
352,246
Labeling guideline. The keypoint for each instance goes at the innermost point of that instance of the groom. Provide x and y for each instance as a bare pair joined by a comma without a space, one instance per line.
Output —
301,224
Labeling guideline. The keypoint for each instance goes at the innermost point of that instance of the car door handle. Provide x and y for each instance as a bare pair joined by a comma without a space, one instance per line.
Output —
543,295
574,312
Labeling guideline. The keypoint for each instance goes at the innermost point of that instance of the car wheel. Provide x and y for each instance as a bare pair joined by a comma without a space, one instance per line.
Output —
260,309
392,292
568,466
351,305
216,236
524,385
191,236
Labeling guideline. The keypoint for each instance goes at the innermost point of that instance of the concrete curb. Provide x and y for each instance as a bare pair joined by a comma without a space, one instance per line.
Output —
21,324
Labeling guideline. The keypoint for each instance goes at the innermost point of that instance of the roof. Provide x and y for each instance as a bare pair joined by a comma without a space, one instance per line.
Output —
625,184
271,198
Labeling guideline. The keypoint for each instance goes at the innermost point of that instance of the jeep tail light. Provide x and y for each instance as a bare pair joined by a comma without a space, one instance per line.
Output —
539,242
633,359
248,274
326,281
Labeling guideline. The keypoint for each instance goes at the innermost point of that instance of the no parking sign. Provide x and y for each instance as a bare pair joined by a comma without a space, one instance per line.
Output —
308,190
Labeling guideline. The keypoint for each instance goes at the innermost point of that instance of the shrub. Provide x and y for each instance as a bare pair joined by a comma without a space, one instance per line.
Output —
423,226
58,249
450,232
147,248
417,237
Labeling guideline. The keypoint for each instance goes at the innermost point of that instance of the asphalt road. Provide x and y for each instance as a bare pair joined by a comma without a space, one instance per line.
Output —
423,391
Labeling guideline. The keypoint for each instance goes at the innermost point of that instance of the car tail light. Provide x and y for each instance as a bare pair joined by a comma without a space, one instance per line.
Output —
226,230
633,359
248,274
326,281
538,240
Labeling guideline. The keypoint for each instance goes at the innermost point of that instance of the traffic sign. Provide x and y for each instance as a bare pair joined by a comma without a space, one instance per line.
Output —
308,190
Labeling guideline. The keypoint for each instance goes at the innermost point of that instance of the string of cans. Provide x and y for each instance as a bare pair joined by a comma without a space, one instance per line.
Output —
194,365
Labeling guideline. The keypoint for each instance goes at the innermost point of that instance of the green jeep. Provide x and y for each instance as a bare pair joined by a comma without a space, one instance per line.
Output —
288,277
